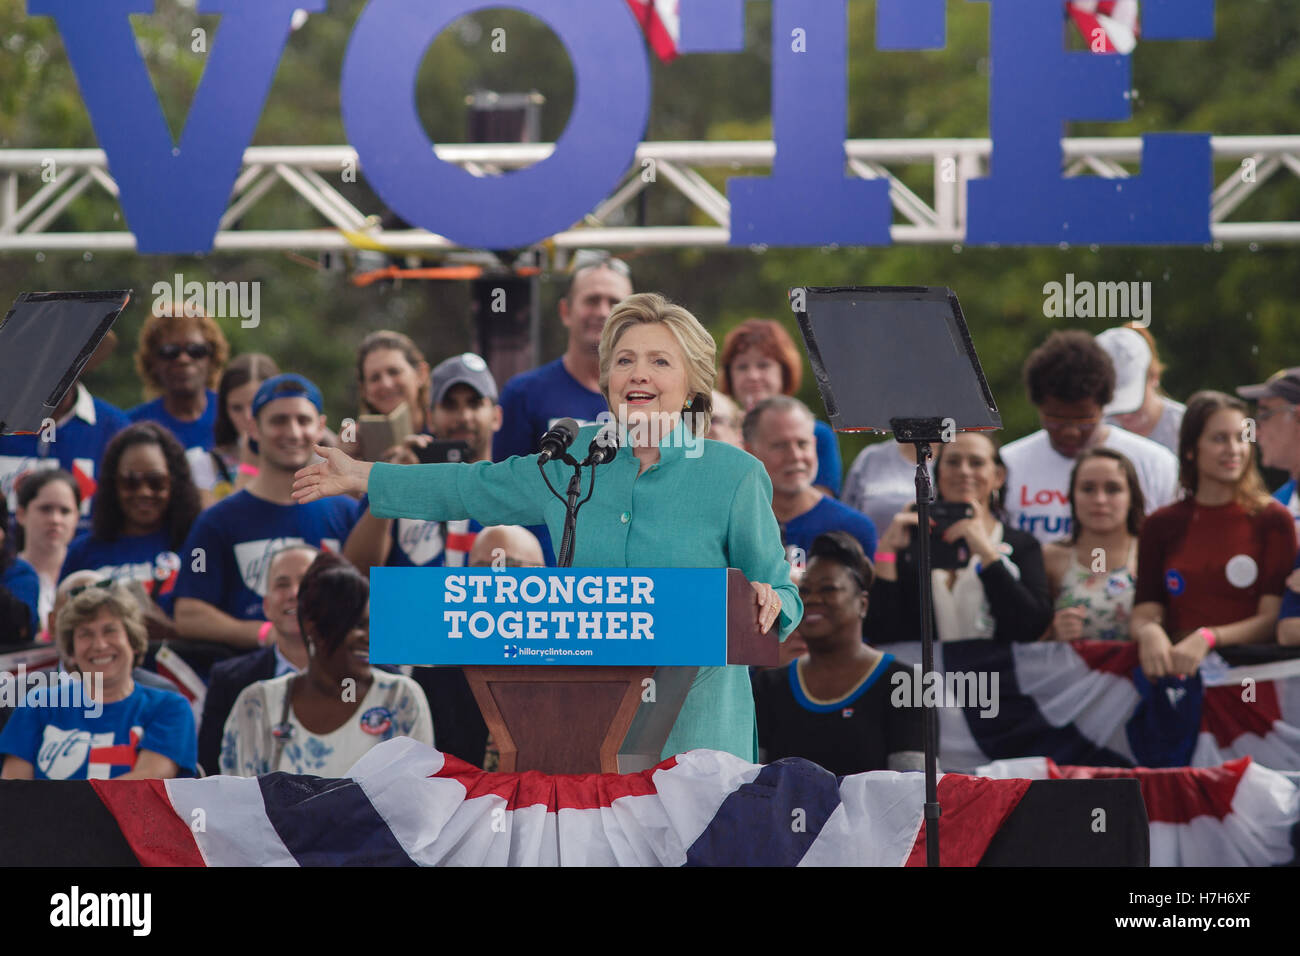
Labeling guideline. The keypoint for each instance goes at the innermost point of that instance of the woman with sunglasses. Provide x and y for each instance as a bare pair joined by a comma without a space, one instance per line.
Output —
49,503
126,731
1212,568
144,507
179,359
325,719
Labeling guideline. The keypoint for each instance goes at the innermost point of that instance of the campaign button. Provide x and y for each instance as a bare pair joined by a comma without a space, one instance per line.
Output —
1242,571
1174,583
377,721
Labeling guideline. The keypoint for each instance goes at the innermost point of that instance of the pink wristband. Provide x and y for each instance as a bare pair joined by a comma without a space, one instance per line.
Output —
263,632
886,557
1208,634
246,469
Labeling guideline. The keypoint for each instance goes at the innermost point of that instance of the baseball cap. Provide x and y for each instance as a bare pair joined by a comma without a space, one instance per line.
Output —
286,386
465,369
1284,385
1131,357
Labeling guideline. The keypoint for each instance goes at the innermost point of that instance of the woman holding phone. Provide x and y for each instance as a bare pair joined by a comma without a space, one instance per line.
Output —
993,586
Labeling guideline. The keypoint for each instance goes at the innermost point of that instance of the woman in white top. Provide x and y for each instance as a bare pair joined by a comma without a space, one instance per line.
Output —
325,719
1093,574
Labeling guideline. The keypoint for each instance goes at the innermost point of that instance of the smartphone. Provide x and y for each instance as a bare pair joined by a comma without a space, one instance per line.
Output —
438,452
945,514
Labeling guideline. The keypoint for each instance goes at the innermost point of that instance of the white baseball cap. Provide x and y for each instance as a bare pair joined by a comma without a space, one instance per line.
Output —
1132,359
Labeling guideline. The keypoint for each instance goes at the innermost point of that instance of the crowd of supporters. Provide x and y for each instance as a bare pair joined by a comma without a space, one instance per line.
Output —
1127,516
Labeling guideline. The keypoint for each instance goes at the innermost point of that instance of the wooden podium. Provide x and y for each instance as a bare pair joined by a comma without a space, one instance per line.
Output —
563,719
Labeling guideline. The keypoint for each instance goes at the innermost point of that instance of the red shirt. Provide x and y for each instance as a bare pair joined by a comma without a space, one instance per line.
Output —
1209,565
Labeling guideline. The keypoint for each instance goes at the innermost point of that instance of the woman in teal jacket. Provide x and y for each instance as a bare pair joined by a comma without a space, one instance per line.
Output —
668,499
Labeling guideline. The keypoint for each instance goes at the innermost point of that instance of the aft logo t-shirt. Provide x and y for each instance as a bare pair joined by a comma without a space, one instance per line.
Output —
63,743
1038,480
225,559
147,558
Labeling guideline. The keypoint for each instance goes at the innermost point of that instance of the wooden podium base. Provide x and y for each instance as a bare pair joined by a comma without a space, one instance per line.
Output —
558,719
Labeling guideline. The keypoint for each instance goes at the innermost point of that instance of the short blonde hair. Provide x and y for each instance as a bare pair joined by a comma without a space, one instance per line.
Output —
85,607
697,345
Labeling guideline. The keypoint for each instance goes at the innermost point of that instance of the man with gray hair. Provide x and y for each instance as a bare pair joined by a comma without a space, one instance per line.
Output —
778,431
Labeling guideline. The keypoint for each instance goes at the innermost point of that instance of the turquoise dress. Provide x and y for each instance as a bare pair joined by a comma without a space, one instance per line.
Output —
705,506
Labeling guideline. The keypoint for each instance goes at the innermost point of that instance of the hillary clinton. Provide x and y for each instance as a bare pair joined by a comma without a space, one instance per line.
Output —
670,498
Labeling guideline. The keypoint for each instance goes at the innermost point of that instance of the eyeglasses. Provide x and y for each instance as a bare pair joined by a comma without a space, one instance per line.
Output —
195,350
1264,414
156,481
106,583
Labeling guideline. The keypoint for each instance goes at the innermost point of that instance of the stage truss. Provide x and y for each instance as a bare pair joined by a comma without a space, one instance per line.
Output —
38,186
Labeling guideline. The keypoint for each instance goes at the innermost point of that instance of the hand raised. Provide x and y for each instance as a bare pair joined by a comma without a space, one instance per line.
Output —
336,475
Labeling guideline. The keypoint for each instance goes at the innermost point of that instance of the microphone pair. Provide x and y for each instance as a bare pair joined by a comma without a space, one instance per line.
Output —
555,443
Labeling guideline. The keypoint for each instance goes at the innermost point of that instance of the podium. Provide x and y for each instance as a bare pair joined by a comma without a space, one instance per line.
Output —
642,633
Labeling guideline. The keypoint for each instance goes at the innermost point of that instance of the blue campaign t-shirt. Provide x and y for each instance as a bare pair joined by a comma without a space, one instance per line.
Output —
224,559
78,447
52,732
428,544
147,558
829,515
21,580
533,401
830,468
200,433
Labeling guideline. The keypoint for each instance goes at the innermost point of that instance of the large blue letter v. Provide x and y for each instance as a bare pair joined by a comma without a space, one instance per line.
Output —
173,198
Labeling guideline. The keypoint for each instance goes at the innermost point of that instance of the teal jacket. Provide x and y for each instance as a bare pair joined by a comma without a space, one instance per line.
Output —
705,504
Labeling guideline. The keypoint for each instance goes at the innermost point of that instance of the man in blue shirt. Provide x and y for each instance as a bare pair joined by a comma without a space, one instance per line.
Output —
82,428
1278,430
569,387
224,562
778,431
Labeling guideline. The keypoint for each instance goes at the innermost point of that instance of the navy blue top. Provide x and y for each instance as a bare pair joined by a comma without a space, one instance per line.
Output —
21,580
237,537
830,469
146,558
829,515
532,401
199,433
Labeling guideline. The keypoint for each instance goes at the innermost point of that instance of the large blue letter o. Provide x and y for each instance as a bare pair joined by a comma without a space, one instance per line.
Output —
610,109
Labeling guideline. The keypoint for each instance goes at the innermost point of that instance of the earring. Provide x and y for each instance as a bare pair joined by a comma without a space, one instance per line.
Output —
311,648
687,406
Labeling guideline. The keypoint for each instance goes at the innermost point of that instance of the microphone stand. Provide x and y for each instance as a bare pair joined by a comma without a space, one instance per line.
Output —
920,432
565,558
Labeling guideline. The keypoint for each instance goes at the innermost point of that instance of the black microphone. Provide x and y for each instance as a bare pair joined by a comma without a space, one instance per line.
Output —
557,441
603,447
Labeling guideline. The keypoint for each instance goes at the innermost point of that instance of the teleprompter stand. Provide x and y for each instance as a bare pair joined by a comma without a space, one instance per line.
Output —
901,360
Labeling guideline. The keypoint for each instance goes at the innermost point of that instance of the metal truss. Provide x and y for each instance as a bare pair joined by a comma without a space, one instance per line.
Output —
681,179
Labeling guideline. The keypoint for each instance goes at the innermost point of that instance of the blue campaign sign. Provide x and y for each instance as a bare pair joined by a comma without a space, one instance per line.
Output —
572,616
1036,87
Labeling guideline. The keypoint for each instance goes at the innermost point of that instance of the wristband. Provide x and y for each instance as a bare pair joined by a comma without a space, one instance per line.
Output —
263,633
886,557
247,469
1208,635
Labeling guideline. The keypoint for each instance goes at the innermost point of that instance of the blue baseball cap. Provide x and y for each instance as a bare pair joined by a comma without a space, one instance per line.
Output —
286,386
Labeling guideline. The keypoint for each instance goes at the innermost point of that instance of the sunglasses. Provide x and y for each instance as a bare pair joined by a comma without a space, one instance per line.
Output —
156,481
106,583
585,259
195,350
